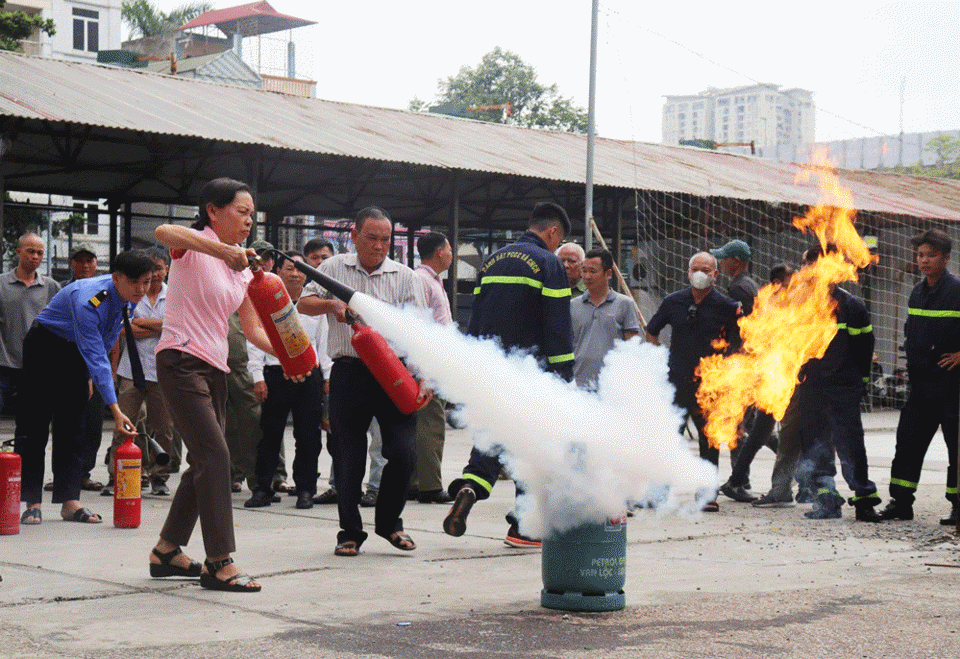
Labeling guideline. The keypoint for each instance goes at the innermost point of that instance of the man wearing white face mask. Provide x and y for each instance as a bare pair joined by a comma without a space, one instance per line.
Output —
697,316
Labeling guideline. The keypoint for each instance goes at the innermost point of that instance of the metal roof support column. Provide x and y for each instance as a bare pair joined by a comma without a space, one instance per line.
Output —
3,197
453,236
618,234
113,209
410,236
127,225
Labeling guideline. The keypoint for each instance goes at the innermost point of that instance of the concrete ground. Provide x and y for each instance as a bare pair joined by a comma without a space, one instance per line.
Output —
742,583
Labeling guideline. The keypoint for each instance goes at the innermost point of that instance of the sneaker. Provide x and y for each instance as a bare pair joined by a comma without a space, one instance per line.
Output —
455,523
330,496
369,499
159,488
770,501
738,493
896,510
514,539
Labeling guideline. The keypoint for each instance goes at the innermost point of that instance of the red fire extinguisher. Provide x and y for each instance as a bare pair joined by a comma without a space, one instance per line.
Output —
127,463
9,490
281,322
383,363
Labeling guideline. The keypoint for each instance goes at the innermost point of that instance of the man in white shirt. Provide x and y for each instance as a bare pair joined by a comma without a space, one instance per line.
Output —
147,323
279,397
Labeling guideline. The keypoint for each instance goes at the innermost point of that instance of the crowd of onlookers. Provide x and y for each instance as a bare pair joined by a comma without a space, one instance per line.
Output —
192,359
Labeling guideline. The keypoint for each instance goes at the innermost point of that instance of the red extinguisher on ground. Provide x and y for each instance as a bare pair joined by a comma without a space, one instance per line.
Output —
281,322
127,467
9,490
372,349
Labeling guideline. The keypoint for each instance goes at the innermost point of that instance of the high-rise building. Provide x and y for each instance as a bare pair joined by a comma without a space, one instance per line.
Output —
774,119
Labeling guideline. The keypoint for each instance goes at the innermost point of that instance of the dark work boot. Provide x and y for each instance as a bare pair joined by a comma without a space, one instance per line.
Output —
951,519
866,513
896,510
826,506
455,523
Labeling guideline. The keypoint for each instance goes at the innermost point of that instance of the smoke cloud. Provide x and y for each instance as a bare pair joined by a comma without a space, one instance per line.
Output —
581,456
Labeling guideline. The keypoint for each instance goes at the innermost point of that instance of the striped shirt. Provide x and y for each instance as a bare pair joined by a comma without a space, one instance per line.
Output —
392,282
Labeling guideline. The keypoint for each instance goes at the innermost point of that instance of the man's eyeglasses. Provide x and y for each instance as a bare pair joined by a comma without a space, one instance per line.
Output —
692,312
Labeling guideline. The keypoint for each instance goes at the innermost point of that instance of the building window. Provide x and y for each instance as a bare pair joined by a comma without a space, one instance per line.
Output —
86,30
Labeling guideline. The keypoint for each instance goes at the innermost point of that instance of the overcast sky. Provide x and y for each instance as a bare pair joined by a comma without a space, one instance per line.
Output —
852,55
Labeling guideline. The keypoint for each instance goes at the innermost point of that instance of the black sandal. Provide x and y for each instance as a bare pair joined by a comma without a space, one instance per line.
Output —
167,569
235,584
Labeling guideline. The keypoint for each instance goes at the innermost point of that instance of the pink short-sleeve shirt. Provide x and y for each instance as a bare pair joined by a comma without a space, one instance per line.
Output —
202,293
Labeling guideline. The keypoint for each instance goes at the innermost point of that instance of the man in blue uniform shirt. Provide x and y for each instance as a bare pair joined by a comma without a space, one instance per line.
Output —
69,343
933,353
522,298
698,316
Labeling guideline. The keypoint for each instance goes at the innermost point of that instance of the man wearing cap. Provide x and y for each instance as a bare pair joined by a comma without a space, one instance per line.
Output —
734,259
83,265
24,293
83,262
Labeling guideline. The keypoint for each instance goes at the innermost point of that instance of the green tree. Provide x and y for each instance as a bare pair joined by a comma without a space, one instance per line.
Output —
18,221
501,77
146,20
18,25
946,147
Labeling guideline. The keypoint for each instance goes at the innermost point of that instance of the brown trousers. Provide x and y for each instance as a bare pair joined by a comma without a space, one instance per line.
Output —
196,395
131,400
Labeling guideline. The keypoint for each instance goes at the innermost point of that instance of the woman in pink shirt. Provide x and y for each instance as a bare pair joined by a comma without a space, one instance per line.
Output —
208,282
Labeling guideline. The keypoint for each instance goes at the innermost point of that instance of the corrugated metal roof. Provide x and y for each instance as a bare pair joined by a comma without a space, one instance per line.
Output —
134,100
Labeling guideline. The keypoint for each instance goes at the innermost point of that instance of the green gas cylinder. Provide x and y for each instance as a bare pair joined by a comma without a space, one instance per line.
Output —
585,568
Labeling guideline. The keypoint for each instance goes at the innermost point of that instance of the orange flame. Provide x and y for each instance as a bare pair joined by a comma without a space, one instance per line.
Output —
789,325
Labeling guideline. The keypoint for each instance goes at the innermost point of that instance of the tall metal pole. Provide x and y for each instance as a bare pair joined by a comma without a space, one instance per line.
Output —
591,131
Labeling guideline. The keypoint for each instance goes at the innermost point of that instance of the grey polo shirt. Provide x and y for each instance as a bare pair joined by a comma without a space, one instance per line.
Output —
393,283
595,330
19,306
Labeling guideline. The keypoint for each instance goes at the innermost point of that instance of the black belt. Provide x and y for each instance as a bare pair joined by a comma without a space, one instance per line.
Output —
348,360
273,367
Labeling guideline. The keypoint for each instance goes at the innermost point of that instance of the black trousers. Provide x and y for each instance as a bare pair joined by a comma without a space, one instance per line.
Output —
686,400
355,399
834,411
53,391
754,440
304,400
91,433
932,404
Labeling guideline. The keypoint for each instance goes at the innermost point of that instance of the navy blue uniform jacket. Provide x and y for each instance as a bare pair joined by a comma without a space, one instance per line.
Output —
522,297
848,357
933,327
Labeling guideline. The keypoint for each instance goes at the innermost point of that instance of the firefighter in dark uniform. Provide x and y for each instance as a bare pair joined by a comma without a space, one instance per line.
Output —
829,401
933,354
522,297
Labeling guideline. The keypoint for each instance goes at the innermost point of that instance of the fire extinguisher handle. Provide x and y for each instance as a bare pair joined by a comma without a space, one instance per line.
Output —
351,317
